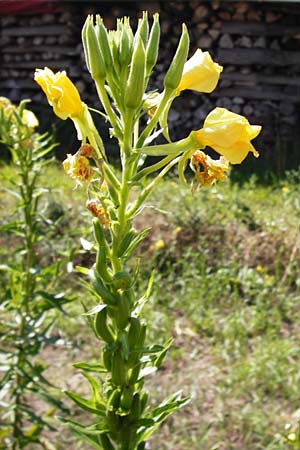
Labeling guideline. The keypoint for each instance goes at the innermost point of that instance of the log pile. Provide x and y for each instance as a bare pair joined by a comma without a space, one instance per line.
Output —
258,43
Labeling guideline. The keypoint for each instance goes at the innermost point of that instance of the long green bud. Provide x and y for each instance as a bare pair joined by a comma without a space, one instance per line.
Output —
174,74
136,81
153,43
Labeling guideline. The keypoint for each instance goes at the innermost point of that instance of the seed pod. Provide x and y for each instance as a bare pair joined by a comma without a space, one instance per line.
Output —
105,442
101,328
114,400
122,312
136,81
134,374
144,400
101,266
118,369
134,332
153,43
121,280
136,406
107,358
98,232
126,398
174,74
104,293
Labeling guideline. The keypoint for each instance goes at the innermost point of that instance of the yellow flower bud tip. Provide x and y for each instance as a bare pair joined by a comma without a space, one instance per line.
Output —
61,93
78,168
97,210
208,170
229,134
200,73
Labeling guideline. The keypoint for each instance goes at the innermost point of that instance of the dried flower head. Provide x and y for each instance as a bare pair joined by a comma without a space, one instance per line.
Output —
97,210
208,170
78,168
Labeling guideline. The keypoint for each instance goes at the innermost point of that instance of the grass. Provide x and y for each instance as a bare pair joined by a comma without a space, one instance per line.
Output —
227,261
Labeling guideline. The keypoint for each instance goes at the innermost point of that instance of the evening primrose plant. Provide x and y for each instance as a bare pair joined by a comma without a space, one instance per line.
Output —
120,63
27,302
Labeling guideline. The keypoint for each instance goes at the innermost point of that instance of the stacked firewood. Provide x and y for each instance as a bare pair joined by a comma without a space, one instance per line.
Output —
258,43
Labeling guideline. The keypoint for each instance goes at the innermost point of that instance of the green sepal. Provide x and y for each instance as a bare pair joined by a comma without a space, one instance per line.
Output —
174,74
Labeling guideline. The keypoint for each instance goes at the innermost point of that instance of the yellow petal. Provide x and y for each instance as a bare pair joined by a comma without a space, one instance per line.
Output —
61,93
229,134
200,73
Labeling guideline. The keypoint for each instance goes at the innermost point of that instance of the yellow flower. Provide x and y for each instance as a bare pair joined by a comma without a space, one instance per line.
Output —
208,170
78,168
159,244
61,93
200,73
29,119
229,134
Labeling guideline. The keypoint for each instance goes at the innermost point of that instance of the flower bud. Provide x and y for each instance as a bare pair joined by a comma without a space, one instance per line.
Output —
136,81
174,74
125,50
104,43
153,43
95,60
121,280
143,30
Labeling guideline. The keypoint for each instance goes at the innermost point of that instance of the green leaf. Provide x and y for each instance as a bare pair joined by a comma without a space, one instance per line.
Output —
89,435
95,391
90,367
136,241
87,405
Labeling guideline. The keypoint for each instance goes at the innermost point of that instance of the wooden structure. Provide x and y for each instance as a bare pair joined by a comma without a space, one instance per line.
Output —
258,43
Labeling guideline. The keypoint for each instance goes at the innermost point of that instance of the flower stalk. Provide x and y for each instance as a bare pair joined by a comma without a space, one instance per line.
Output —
122,416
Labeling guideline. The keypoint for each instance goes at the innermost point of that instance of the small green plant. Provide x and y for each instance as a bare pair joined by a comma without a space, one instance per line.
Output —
121,62
27,299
